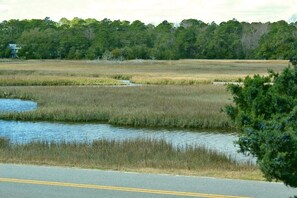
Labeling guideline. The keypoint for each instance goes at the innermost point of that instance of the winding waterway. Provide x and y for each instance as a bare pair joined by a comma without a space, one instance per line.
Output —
24,132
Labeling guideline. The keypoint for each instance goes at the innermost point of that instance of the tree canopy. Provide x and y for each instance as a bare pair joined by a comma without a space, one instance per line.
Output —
265,112
122,40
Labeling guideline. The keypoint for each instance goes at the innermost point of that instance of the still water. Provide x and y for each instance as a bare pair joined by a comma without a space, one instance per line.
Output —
24,132
16,105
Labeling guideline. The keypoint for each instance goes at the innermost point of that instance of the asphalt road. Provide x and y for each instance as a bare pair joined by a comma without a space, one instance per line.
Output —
22,181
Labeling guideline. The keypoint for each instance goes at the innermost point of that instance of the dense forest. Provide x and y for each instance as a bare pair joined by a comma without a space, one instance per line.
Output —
124,40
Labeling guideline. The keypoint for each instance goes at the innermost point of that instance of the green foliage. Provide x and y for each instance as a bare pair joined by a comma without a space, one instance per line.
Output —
225,43
265,111
293,60
186,38
90,39
279,43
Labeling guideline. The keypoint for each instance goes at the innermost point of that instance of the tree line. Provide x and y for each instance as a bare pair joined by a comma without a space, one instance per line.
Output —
124,40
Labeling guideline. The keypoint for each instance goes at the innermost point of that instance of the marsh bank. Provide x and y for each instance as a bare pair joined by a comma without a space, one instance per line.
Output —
25,132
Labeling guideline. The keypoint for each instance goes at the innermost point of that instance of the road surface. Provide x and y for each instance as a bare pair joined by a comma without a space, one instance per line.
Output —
22,181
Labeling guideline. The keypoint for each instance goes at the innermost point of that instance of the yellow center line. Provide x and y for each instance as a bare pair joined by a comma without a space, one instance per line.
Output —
115,188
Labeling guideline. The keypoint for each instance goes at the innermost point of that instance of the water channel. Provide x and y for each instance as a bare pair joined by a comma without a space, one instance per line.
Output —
24,132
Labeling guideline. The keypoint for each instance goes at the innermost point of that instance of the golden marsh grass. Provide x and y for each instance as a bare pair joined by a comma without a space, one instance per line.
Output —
146,71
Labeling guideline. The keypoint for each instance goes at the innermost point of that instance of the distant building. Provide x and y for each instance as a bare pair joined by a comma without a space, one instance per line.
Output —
14,50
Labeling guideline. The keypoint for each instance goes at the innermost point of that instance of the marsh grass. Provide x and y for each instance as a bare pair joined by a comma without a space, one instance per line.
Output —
180,72
151,80
196,106
187,101
33,80
119,155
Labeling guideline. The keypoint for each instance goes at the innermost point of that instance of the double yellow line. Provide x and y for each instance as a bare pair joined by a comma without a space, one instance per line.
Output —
115,188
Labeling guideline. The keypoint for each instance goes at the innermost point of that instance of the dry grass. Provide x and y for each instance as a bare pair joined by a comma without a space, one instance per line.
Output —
150,72
34,80
144,155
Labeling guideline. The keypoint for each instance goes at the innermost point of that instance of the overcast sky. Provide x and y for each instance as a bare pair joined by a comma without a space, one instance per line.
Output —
151,11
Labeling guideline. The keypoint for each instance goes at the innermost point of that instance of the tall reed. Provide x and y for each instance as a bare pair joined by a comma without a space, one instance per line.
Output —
127,154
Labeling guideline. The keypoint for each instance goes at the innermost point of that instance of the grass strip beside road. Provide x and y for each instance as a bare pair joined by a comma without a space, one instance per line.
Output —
139,155
116,188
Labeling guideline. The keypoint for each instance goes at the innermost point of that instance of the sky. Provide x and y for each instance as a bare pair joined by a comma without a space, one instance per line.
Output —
152,11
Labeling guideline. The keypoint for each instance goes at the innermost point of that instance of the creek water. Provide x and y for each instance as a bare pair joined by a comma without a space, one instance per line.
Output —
130,84
16,105
24,132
